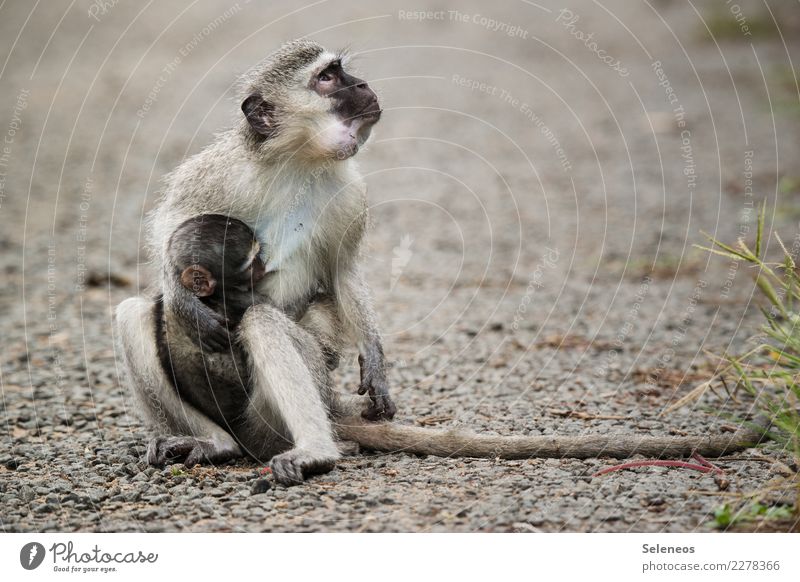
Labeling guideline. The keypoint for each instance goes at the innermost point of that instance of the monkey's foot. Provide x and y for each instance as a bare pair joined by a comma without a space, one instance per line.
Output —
381,408
192,450
294,466
348,448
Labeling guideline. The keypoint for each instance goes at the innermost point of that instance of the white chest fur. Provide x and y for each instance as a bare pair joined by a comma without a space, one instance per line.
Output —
293,236
302,226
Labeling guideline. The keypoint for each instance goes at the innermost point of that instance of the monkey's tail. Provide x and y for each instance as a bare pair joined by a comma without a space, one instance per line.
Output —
391,437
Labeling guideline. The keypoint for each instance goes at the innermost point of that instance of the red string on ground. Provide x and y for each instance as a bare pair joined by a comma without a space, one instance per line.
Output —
678,464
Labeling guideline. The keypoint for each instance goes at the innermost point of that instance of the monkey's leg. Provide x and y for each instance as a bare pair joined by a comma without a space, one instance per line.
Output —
321,320
180,429
289,385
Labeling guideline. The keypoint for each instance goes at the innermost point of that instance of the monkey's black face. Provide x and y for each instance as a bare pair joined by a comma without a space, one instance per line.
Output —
335,126
353,100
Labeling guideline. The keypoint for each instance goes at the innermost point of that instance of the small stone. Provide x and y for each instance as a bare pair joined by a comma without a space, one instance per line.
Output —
260,486
44,508
64,418
27,493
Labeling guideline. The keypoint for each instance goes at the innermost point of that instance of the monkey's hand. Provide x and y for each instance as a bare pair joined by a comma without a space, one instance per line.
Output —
373,382
191,450
213,333
295,465
216,336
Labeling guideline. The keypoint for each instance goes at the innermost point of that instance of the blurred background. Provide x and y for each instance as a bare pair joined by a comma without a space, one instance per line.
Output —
537,182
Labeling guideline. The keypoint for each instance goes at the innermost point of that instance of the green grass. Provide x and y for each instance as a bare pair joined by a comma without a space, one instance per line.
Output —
770,373
728,515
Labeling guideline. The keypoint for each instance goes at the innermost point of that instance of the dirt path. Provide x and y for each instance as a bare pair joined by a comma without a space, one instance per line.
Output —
536,193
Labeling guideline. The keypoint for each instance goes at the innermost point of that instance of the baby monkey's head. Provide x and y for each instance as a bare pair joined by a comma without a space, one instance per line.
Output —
212,254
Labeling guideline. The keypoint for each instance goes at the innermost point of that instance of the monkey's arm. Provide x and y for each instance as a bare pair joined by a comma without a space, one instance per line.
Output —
212,328
180,429
354,301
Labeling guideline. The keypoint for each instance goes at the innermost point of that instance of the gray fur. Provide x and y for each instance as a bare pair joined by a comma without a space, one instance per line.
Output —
308,209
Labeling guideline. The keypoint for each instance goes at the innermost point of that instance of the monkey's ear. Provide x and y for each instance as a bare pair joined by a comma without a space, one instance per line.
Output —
260,115
198,280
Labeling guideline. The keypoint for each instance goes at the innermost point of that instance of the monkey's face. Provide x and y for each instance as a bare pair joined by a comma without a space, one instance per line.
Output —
214,252
307,105
249,269
354,105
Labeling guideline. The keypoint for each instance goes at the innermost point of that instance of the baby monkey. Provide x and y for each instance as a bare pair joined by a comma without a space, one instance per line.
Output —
218,262
217,259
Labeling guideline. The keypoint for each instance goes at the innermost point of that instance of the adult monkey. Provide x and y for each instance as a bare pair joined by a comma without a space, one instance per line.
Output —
286,171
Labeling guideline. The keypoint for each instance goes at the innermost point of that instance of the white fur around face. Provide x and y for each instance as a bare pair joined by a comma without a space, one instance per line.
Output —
339,139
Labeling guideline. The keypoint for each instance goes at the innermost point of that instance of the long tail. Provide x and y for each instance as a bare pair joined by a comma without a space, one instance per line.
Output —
391,437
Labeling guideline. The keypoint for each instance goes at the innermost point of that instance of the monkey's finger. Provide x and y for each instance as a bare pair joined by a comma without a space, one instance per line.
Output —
317,467
153,457
195,457
382,408
286,472
373,413
172,448
216,340
389,408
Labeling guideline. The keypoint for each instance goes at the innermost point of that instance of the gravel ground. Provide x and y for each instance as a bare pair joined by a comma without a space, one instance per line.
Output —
535,203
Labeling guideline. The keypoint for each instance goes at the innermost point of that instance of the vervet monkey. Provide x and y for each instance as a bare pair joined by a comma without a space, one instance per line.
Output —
287,171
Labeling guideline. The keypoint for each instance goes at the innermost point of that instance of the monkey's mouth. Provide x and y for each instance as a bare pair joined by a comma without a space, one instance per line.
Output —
371,112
